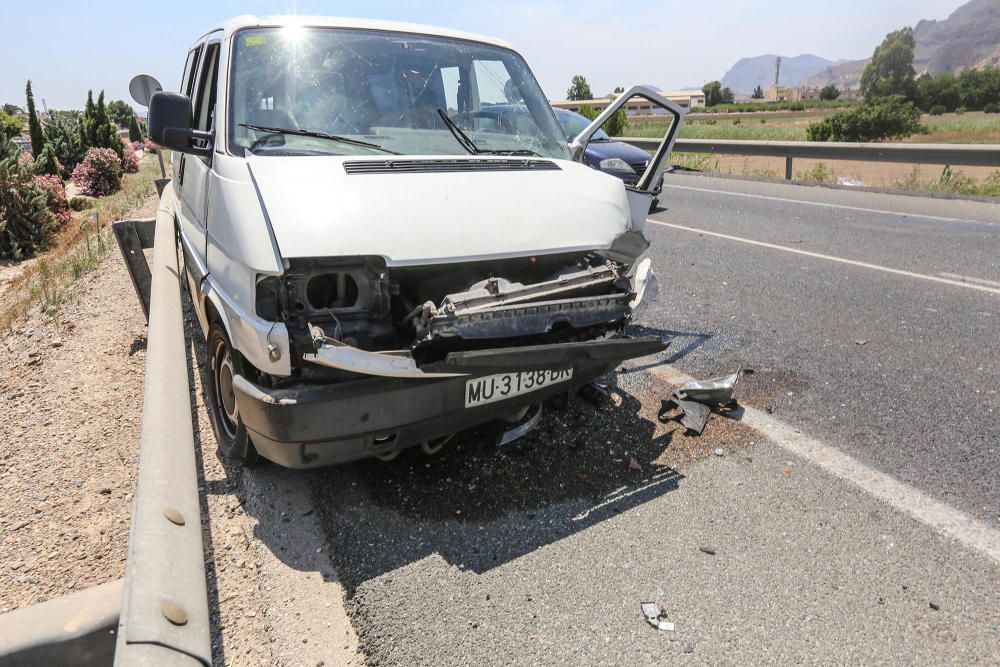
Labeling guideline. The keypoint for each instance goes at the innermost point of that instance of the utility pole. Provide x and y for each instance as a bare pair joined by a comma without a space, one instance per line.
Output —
777,70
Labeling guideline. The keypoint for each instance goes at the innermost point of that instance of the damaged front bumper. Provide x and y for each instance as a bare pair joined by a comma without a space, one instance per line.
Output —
315,425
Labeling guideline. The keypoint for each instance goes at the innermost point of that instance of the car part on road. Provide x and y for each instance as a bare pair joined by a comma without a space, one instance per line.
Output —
696,400
656,617
713,392
521,430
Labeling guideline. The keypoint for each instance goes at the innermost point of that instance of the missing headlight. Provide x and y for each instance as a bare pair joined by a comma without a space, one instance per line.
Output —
266,301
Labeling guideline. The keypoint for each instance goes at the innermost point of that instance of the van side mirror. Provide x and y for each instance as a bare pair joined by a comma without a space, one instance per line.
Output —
171,124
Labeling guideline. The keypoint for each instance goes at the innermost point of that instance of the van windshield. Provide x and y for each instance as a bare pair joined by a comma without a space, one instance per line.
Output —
388,90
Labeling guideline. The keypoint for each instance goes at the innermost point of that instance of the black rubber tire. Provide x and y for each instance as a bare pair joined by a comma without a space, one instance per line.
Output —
221,364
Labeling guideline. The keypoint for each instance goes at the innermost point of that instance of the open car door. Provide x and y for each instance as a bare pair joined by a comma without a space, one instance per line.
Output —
640,195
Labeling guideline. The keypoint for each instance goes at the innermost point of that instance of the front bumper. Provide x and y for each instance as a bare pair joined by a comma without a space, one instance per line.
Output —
315,425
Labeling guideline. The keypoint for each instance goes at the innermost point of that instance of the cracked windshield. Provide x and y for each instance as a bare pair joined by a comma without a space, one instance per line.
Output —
315,91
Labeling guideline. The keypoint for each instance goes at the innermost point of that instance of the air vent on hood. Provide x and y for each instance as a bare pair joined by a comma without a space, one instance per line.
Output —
444,166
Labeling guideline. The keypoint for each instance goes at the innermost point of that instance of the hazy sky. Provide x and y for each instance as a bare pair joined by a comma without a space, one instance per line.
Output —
67,47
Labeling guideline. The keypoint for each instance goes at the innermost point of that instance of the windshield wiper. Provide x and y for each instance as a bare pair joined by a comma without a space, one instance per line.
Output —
470,146
461,137
310,133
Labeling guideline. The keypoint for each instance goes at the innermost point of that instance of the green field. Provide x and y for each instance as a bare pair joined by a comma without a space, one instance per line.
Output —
971,128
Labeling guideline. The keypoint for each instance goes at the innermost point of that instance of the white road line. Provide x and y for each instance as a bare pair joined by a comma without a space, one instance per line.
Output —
903,497
840,206
831,258
970,279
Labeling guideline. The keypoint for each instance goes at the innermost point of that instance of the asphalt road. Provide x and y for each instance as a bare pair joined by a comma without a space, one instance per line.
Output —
920,398
541,552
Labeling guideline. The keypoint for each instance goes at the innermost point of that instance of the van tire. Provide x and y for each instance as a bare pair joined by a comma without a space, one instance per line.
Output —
222,363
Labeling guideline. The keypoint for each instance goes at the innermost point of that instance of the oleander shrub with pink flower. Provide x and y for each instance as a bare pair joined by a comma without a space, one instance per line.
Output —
56,193
137,146
99,174
149,146
130,161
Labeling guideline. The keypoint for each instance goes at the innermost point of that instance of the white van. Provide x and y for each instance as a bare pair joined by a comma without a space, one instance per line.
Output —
374,262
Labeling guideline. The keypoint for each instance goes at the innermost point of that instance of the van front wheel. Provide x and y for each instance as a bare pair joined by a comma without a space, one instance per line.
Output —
222,364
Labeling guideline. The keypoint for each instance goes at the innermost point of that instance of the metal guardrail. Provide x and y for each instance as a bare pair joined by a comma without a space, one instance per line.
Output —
164,618
972,155
160,608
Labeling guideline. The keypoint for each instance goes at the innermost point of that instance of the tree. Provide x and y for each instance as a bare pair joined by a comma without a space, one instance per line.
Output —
891,117
615,126
64,138
47,162
829,92
580,89
890,71
34,127
618,90
120,112
135,132
587,111
758,93
12,109
713,93
11,126
96,128
726,96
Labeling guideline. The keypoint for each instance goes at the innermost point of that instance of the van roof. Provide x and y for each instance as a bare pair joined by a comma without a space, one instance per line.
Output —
249,21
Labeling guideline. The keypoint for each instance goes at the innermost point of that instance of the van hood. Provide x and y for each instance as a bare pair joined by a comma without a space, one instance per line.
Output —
423,210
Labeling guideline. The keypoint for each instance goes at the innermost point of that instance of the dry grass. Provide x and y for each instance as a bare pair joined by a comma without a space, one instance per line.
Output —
77,249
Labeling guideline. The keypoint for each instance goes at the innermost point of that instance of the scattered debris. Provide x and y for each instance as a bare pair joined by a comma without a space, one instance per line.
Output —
689,648
632,463
596,393
716,391
935,606
696,400
707,550
655,617
861,341
719,451
695,414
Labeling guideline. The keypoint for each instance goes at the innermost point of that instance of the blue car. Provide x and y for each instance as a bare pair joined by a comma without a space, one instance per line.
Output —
604,153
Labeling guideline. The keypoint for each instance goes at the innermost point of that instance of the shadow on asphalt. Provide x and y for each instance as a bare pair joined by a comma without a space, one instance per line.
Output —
477,505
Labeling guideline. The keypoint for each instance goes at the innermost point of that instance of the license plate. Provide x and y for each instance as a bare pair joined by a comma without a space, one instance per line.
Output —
493,388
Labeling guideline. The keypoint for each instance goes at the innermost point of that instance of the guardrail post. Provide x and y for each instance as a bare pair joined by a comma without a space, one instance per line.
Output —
788,168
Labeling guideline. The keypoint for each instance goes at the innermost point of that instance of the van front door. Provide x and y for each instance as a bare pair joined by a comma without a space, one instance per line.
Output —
641,196
192,172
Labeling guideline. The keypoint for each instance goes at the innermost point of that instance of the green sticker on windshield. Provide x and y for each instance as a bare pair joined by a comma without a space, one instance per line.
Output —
255,40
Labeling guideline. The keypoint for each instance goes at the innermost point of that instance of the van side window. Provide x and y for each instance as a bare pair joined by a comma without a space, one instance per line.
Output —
206,94
190,68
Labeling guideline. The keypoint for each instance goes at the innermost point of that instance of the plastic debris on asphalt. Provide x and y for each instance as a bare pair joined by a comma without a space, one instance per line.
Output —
696,400
716,391
655,617
632,463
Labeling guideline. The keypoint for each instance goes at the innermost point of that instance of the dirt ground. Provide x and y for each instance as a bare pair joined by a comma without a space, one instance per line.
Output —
70,419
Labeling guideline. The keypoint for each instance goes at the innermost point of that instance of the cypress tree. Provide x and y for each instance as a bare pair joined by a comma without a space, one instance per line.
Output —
34,127
134,131
87,123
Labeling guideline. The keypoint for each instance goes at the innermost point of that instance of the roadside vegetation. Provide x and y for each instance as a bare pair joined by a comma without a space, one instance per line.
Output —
66,236
79,248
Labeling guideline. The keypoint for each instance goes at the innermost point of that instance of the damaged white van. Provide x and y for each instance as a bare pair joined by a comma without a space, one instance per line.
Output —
377,264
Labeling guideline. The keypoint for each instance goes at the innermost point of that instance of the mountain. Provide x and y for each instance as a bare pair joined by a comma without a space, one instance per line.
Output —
969,38
748,73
